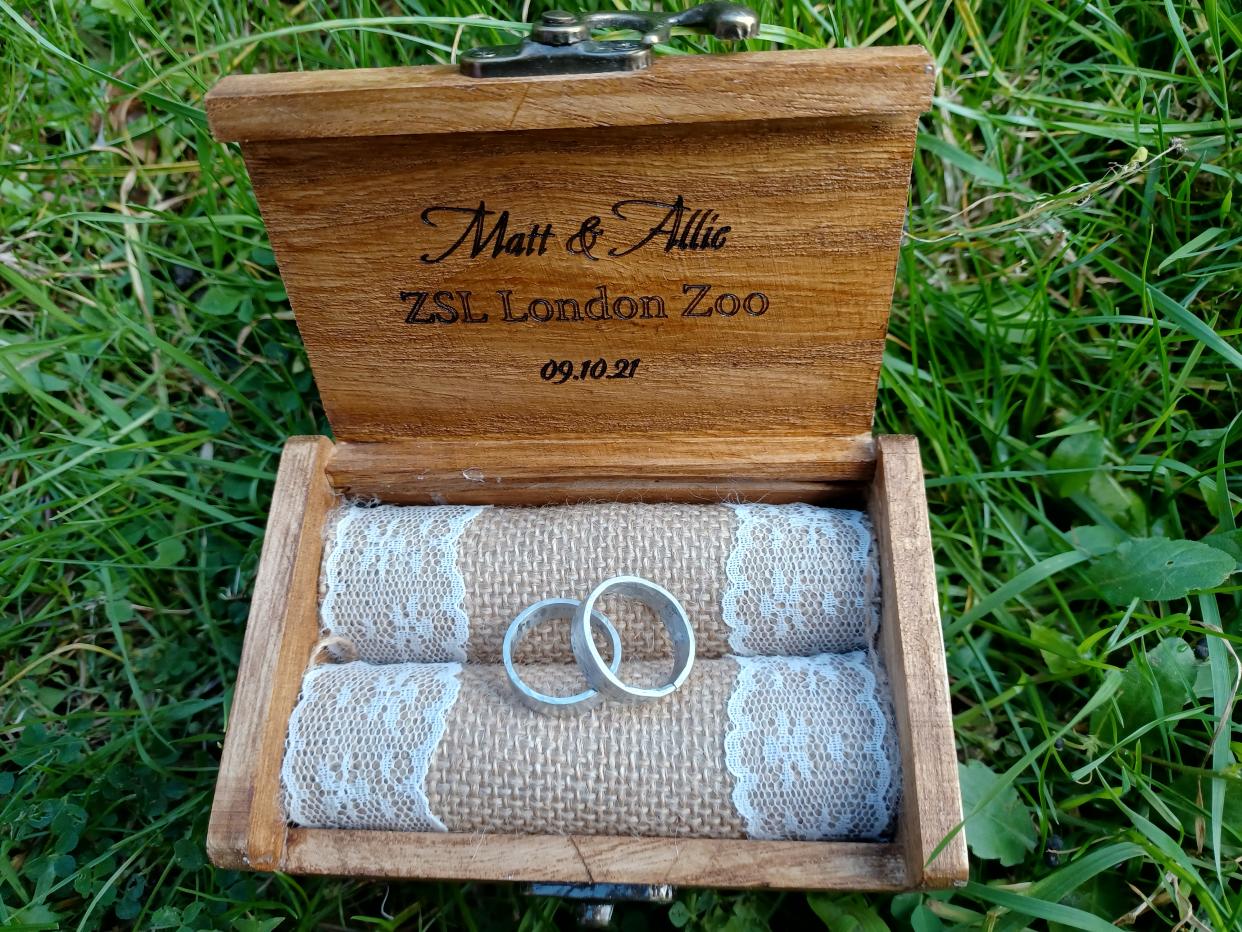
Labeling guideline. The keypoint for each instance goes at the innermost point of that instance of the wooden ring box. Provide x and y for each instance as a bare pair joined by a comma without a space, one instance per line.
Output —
731,222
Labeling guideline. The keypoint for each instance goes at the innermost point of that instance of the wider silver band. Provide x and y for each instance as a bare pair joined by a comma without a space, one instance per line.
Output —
535,615
671,615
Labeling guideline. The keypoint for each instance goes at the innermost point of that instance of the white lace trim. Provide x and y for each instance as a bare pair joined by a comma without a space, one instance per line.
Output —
795,575
397,582
811,748
332,766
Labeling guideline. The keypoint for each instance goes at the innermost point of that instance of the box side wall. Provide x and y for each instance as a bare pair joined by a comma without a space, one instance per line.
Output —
912,647
247,826
788,84
690,862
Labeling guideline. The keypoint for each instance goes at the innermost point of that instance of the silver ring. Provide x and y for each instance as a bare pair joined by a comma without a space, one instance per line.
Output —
535,615
671,615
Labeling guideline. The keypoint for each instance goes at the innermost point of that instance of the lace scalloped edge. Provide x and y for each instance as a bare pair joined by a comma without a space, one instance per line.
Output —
874,815
777,520
442,549
395,683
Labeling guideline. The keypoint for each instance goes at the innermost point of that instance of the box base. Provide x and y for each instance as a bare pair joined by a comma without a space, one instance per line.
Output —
248,828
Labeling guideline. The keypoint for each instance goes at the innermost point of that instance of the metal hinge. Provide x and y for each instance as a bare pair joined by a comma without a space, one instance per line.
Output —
596,900
561,43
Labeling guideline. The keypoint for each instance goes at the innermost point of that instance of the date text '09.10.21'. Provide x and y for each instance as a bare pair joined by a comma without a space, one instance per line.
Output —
560,371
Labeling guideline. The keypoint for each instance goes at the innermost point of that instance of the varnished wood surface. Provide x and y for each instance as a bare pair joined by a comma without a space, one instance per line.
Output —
575,491
815,210
676,89
247,827
556,470
598,859
913,648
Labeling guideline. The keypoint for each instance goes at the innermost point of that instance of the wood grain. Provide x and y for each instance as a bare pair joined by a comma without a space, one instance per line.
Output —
576,491
247,826
598,859
815,210
676,89
913,649
556,470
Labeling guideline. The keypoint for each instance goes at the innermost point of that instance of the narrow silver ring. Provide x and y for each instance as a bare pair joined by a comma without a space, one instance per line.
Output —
671,615
535,615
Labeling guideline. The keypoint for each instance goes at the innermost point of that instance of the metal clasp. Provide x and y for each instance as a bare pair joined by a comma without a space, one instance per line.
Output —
561,43
595,901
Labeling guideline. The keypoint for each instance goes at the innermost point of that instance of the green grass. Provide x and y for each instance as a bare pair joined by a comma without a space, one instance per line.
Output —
1064,342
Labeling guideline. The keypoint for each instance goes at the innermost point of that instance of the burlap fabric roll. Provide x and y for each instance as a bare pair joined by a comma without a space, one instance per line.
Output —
442,583
765,747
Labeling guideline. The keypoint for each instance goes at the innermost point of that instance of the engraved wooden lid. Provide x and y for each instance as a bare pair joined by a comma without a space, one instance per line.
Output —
698,256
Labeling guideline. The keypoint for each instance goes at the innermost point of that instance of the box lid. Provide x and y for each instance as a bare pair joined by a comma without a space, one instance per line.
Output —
695,256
